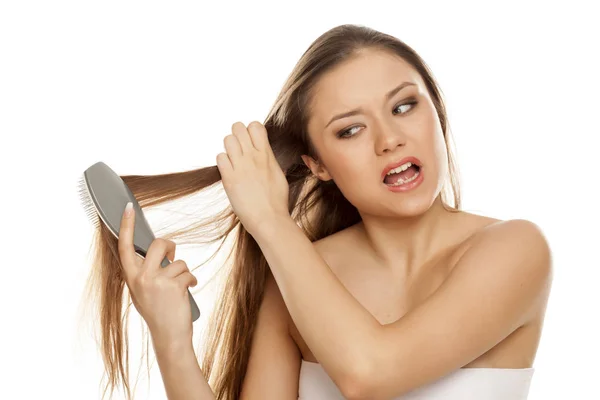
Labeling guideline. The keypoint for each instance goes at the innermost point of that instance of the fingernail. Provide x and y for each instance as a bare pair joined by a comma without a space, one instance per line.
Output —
128,209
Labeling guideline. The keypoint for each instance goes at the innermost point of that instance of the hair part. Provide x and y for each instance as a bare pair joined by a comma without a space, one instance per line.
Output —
318,207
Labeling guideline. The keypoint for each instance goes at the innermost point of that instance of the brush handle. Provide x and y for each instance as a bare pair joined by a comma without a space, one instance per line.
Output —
194,306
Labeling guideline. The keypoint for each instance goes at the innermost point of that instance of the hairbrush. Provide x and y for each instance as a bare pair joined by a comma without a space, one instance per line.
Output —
104,194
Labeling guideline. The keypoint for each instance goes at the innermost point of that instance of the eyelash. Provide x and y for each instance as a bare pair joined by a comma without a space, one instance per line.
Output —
412,103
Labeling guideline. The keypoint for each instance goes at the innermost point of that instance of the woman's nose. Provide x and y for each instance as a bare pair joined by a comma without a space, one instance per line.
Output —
388,138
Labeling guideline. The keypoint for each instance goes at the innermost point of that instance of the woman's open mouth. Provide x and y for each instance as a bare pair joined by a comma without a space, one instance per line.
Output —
402,175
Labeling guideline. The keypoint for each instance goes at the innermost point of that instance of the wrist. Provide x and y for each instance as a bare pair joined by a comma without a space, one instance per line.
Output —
171,346
270,228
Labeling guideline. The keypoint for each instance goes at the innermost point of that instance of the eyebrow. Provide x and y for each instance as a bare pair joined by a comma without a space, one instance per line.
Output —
359,110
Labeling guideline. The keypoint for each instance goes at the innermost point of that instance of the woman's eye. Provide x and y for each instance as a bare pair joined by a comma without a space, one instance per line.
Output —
344,134
410,103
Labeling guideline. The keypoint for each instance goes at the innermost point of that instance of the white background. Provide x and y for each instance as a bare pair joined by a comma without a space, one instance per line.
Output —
154,87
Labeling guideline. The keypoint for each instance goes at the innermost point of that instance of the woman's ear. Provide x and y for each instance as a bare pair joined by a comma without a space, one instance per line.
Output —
316,168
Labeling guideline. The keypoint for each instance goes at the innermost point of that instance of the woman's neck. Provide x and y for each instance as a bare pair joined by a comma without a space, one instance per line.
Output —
407,243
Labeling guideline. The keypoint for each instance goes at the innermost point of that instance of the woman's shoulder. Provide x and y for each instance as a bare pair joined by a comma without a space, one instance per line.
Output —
467,229
475,230
491,228
506,243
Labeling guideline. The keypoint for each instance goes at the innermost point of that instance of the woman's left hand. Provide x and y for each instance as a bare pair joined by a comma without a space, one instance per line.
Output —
253,180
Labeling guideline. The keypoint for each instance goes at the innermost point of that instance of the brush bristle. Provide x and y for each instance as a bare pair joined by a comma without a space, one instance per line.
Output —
87,203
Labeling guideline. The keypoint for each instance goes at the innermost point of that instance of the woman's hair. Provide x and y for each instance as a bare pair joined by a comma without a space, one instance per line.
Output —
318,207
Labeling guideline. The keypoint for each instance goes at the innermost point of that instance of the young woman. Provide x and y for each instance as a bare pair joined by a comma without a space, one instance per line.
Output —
353,276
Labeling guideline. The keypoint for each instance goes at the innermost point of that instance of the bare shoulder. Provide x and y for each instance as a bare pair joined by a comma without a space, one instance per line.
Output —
495,235
516,240
514,249
469,229
515,234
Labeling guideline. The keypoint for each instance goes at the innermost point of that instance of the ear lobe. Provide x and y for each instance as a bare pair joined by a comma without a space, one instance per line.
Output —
316,168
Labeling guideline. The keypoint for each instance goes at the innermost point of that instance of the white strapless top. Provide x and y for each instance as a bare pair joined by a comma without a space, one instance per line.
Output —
461,384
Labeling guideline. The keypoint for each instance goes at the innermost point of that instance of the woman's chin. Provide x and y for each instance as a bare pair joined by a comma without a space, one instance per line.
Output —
413,206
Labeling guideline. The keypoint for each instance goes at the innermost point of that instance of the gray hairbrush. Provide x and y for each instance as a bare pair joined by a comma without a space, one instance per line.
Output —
104,194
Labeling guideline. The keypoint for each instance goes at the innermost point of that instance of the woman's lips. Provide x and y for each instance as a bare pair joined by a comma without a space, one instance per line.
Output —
405,187
396,164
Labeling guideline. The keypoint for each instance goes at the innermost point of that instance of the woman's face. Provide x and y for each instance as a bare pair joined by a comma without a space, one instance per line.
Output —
354,150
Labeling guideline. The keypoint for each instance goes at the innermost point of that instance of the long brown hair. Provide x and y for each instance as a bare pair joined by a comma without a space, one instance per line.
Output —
318,207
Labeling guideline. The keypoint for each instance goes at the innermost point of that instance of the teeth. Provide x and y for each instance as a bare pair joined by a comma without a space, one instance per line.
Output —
402,182
401,168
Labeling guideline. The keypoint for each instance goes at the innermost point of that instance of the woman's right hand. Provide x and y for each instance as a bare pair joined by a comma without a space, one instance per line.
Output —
159,294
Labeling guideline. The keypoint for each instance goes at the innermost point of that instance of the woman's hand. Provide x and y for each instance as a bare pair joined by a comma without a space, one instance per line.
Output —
159,294
253,180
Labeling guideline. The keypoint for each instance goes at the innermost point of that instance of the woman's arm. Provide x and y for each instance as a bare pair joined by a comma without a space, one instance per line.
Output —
492,291
338,330
273,366
181,373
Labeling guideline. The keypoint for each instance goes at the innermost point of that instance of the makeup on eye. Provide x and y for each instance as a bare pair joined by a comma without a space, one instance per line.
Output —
411,101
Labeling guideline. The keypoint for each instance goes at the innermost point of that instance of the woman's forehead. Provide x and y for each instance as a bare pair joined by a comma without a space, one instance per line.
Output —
363,80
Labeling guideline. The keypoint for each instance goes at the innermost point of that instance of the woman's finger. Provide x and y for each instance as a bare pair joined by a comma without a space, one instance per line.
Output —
186,280
241,133
175,269
127,252
157,251
258,135
224,166
233,149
